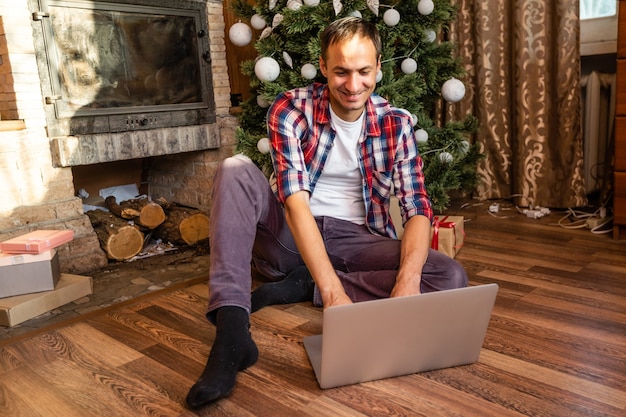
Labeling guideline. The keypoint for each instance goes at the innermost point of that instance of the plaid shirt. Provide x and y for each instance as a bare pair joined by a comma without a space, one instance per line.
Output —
301,137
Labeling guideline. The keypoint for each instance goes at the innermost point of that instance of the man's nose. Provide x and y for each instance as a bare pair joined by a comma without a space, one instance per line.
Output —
353,83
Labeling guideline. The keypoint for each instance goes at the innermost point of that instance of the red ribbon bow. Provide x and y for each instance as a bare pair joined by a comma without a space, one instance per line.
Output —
438,224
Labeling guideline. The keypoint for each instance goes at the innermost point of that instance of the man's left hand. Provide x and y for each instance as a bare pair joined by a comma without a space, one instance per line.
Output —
408,286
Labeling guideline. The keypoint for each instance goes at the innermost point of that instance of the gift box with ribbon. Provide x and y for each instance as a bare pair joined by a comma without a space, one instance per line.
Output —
447,234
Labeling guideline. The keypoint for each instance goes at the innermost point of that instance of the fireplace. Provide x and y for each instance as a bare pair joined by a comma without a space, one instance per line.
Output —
125,79
75,109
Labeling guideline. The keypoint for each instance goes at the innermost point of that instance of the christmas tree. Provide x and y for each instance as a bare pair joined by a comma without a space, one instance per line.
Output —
419,73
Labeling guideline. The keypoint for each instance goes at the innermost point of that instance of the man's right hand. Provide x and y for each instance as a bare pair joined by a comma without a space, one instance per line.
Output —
335,298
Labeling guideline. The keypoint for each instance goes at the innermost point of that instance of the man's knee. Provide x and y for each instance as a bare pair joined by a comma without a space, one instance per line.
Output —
442,273
236,171
457,275
234,165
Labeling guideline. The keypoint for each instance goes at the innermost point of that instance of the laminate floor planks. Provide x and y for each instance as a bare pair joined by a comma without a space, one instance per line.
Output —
556,345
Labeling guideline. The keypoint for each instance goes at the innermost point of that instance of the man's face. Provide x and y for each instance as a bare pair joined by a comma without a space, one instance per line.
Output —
350,69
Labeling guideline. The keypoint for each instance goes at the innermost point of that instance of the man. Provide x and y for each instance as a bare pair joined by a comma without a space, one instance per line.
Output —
338,151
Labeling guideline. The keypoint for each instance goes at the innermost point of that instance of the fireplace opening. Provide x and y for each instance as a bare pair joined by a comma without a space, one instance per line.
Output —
89,180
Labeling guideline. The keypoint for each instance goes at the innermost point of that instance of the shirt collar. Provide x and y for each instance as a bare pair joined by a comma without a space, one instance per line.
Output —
372,127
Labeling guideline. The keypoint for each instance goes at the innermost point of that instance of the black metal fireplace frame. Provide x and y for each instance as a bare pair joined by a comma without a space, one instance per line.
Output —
65,120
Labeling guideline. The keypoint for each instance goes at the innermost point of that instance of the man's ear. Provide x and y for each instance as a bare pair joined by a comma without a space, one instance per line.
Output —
323,66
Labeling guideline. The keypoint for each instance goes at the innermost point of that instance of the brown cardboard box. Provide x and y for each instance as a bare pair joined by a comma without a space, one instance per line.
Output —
26,273
37,241
447,234
15,310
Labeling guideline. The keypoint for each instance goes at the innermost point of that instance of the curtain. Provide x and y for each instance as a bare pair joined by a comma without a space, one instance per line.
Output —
523,84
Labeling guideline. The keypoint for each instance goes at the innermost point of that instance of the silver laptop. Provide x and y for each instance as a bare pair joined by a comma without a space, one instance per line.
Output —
399,336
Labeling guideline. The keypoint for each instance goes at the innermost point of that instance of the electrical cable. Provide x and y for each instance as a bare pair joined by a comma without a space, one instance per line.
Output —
595,221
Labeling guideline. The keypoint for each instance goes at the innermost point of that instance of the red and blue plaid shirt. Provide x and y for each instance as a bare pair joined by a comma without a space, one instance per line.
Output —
301,137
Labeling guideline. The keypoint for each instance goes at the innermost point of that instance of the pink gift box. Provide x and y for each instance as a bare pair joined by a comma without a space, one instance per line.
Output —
37,242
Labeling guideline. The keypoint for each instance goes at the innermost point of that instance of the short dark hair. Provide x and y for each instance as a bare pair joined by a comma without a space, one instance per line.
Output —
346,28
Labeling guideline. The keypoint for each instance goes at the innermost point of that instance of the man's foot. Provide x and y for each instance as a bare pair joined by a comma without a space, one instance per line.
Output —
296,287
233,351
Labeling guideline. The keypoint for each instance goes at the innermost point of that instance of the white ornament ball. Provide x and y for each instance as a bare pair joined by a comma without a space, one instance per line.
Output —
430,36
312,3
262,102
445,157
408,66
379,76
263,145
421,136
414,118
267,69
240,34
294,4
258,22
391,17
453,90
355,13
425,7
308,71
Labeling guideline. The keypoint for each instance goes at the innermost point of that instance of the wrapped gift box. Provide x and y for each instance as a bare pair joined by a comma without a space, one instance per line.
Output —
26,273
447,234
18,309
449,230
37,241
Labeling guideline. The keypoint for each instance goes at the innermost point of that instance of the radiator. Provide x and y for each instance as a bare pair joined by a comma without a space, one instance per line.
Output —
598,101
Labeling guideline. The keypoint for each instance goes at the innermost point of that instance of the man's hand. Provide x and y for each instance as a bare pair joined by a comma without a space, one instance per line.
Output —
335,298
407,286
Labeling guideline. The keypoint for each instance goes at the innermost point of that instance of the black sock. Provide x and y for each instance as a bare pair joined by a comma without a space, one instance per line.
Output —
233,351
297,286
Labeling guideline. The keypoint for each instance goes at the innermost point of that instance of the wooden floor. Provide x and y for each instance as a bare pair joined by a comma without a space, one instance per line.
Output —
556,345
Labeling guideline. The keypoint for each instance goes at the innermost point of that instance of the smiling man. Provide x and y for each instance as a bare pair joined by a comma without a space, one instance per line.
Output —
325,234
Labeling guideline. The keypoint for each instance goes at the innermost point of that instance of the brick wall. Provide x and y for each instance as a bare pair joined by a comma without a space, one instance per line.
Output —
35,194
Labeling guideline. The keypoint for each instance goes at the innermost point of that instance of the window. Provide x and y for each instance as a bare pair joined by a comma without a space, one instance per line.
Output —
591,9
598,27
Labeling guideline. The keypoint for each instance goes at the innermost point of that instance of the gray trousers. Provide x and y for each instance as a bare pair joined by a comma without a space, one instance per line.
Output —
248,230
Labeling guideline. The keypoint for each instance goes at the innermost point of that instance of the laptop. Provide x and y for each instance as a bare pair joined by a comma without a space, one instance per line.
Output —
391,337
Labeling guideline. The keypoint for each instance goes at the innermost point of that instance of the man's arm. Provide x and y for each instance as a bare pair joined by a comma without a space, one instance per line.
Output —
413,254
311,246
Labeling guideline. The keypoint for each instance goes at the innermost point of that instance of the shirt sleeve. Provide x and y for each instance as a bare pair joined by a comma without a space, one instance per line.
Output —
287,126
409,181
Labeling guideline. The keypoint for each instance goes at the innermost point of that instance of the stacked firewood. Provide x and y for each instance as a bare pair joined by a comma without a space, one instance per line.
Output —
123,231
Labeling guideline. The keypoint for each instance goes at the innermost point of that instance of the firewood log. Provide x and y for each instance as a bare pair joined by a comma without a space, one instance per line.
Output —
120,239
125,213
151,215
184,225
148,214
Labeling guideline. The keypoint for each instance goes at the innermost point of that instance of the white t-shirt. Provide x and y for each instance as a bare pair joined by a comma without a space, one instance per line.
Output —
339,190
